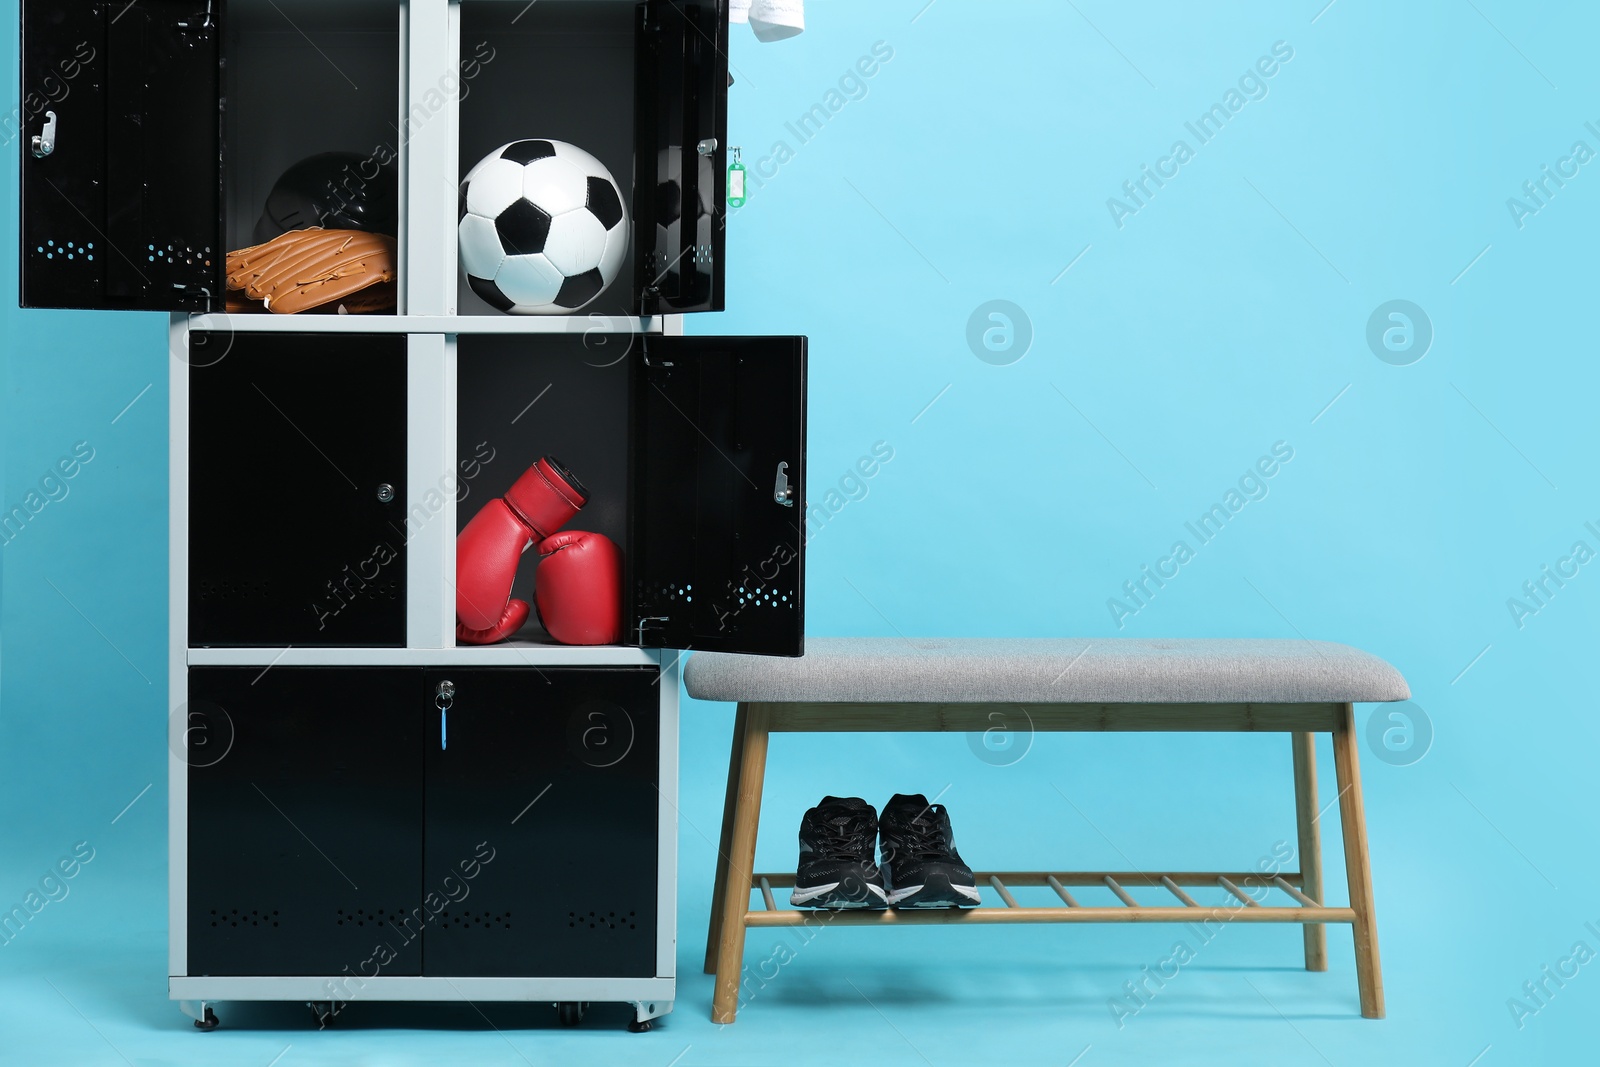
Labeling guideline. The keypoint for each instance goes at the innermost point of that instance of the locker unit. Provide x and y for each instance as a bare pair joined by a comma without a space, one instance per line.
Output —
361,809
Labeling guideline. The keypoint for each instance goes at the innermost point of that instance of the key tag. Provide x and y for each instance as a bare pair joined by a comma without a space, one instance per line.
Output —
736,195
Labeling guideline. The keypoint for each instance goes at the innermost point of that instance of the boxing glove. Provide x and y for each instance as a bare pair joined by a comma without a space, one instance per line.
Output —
490,547
578,588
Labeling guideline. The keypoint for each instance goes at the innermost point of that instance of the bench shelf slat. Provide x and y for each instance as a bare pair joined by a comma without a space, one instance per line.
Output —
980,915
1247,909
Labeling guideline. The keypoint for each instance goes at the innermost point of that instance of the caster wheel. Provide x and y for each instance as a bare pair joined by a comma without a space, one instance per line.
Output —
208,1023
322,1012
637,1027
570,1012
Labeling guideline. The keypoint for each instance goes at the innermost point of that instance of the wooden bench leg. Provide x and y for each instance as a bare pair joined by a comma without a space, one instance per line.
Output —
1310,843
1352,816
729,802
741,865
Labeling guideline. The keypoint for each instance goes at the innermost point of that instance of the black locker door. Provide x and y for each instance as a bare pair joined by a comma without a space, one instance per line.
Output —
718,535
681,155
120,142
542,808
305,820
293,537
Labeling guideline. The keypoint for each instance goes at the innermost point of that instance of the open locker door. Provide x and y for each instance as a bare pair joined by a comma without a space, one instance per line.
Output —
718,515
681,155
120,140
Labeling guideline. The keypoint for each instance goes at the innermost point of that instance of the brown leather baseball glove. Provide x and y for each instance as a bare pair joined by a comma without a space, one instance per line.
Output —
309,268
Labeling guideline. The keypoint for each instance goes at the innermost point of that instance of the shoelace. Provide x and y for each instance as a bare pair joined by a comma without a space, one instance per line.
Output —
921,838
840,839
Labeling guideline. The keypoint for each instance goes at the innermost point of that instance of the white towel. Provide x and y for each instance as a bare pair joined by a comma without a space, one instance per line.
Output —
772,20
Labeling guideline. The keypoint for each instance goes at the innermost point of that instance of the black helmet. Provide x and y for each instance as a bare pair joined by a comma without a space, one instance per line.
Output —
337,190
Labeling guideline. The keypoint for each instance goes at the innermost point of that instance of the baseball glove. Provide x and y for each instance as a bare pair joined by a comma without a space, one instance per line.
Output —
309,268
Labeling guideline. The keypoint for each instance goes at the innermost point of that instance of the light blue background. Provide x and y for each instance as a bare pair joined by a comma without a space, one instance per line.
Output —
1223,317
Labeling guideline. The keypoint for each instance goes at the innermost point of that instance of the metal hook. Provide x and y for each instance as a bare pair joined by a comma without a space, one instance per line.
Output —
45,142
782,492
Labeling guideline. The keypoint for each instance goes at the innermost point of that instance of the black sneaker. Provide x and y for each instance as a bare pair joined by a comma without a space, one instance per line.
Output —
837,870
920,857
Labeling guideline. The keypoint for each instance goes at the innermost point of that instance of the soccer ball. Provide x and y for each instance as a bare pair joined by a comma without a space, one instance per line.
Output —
542,230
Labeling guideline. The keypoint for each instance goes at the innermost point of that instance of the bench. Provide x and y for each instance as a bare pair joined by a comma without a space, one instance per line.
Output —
854,685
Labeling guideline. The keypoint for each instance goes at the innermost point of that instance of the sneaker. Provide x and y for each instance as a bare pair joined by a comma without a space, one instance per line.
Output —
920,858
837,869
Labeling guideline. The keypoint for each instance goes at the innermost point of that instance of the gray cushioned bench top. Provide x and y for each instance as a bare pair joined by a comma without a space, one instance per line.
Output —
1049,670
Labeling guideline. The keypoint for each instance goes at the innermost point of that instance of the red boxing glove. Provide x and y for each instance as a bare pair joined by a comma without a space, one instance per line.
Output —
578,588
546,497
490,547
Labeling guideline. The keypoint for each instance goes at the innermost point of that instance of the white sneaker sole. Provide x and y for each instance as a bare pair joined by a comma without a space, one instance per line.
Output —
969,897
801,898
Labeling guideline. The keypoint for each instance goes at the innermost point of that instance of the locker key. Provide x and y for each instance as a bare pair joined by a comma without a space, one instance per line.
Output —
45,142
443,697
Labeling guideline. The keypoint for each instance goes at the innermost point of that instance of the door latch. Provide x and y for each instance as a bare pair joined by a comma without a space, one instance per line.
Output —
645,620
782,491
44,142
706,147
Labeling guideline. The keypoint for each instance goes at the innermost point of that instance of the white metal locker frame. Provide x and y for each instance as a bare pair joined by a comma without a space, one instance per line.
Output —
430,44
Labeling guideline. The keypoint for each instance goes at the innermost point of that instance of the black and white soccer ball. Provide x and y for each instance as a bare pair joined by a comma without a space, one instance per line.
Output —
543,230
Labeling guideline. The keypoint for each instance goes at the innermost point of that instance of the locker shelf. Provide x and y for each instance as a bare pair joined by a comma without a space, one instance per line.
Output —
577,325
510,653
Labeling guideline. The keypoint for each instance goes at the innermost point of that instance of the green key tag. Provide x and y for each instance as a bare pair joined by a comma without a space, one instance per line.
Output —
736,195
